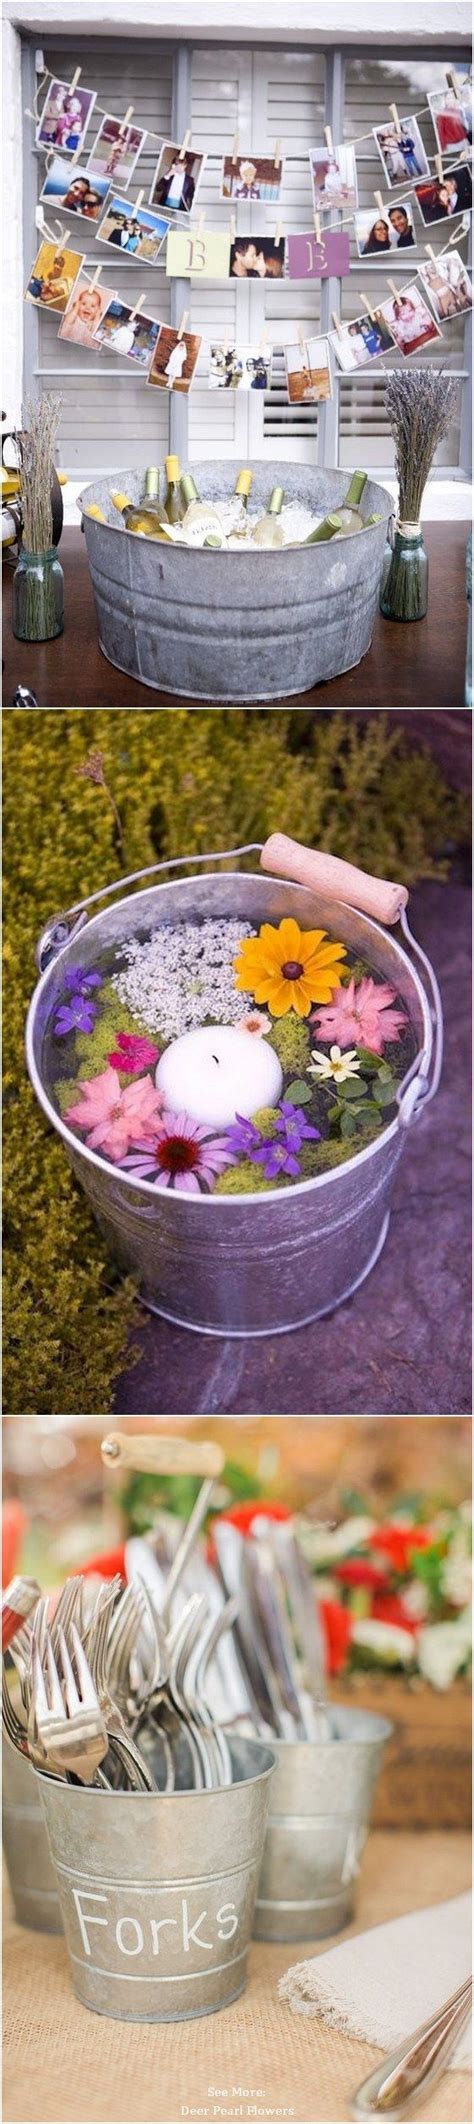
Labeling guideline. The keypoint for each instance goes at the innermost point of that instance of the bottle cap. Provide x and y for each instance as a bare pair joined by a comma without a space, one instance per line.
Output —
275,502
152,482
244,481
121,501
188,489
172,468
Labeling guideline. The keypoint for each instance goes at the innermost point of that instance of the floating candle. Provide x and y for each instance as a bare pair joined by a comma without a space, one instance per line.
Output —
216,1072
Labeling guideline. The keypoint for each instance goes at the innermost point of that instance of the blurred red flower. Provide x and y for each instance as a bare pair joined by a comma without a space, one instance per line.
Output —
338,1626
399,1543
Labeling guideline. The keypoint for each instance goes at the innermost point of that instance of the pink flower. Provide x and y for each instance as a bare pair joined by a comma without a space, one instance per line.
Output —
256,1021
364,1014
180,1154
133,1053
112,1119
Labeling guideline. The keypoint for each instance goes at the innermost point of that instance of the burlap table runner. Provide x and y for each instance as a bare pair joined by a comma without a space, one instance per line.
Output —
257,2060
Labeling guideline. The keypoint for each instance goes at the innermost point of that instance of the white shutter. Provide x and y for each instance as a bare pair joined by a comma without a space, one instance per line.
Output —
109,417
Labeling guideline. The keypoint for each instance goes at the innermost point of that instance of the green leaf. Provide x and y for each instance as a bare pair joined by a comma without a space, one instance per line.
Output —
384,1072
299,1093
353,1088
368,1060
384,1093
348,1125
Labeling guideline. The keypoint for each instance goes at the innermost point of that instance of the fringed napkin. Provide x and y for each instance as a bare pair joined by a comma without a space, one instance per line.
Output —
381,1985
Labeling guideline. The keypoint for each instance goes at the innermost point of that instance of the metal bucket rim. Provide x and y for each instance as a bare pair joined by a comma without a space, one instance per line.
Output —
239,1784
149,1188
209,554
380,1730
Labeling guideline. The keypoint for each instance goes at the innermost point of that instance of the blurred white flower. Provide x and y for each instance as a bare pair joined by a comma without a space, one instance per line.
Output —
389,1644
324,1545
456,1571
443,1649
416,1598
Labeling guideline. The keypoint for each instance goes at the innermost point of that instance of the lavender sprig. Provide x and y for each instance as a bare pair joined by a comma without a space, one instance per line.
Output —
420,406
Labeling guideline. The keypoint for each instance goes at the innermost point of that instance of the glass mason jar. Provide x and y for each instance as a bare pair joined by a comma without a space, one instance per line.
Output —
38,596
404,585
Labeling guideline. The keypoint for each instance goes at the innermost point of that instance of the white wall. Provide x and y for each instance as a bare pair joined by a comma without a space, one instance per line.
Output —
307,21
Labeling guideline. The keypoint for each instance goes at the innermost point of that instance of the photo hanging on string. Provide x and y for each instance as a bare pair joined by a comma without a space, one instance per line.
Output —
401,151
251,177
451,111
308,372
174,360
73,191
116,150
410,321
126,332
235,368
443,197
384,233
53,276
334,178
177,178
361,341
133,230
257,258
84,313
65,117
448,286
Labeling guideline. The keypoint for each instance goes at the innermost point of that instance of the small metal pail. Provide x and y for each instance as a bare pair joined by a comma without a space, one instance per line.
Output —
25,1843
318,1823
250,626
157,1890
250,1264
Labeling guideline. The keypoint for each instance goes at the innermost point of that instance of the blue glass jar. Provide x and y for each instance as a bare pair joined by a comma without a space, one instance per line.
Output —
38,597
404,585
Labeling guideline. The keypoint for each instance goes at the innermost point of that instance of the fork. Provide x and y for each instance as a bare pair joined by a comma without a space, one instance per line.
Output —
69,1722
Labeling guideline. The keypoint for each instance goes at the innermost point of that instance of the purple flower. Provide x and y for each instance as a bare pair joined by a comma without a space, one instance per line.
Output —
291,1123
243,1139
80,980
77,1015
277,1158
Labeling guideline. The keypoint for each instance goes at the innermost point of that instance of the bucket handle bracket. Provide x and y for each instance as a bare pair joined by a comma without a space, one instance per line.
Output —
422,1080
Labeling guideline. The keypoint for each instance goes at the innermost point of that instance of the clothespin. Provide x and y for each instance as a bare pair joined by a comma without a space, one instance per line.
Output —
328,139
76,77
277,155
337,323
367,305
394,114
452,83
96,276
317,224
393,289
138,201
235,150
301,341
431,252
379,202
136,308
182,327
438,163
184,145
77,154
128,114
278,234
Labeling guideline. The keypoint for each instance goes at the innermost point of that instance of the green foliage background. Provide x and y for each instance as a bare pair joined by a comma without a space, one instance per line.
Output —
182,781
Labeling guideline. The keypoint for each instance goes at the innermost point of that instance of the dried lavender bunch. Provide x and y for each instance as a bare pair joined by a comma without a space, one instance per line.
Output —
420,405
41,421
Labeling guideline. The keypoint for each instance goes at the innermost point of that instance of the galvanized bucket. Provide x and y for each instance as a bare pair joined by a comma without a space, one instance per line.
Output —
222,626
318,1824
248,1264
25,1843
157,1890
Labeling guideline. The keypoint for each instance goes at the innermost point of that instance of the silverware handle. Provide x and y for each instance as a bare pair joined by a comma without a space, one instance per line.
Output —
404,2077
186,1544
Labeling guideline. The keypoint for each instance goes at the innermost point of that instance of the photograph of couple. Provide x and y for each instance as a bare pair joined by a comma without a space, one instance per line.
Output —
239,368
361,341
401,150
442,197
75,193
133,229
257,258
391,231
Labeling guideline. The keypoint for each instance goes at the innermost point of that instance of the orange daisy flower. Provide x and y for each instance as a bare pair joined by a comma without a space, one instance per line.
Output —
289,968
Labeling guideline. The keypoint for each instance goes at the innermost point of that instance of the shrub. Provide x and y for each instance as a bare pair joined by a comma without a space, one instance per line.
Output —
181,782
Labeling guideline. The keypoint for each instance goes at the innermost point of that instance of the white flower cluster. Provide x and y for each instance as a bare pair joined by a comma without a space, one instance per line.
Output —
183,975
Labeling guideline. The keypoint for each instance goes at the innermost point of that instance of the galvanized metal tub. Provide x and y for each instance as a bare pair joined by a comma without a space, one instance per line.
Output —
220,626
249,1264
25,1843
157,1890
318,1824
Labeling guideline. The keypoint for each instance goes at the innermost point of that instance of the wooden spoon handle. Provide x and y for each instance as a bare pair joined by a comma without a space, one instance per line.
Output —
328,874
162,1456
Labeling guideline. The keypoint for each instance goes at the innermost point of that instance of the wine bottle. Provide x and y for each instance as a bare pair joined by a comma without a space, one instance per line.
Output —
146,518
348,509
173,502
269,530
330,527
201,523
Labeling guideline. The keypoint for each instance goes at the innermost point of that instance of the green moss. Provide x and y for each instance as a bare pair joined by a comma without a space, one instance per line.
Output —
336,1151
180,782
291,1038
92,1049
243,1179
266,1120
65,1091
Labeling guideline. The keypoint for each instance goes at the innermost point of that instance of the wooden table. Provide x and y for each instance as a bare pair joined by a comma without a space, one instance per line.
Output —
421,665
63,2063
